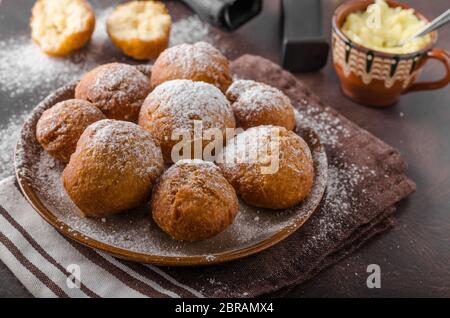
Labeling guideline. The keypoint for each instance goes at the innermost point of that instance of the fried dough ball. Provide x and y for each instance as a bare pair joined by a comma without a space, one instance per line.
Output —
192,201
197,62
60,126
118,90
113,169
255,104
60,27
141,29
172,109
269,166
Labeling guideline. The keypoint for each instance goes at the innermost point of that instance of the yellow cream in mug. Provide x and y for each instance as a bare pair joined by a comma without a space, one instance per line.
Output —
382,28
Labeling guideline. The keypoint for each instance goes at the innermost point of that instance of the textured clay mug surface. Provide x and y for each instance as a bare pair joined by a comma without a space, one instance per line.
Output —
377,78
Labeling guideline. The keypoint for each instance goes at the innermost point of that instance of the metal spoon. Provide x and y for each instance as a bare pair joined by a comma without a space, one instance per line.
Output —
441,20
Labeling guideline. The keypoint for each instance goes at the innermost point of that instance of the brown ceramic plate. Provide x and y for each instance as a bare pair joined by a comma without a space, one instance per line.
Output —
133,235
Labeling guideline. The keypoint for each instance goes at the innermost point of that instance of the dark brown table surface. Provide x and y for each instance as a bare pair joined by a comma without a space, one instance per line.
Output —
414,257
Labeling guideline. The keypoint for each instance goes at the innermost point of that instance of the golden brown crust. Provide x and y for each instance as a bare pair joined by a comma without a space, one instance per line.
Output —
139,49
286,185
118,90
192,201
113,169
59,30
255,104
141,29
197,62
60,126
174,106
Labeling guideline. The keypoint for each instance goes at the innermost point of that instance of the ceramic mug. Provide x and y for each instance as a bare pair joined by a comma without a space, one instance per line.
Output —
377,78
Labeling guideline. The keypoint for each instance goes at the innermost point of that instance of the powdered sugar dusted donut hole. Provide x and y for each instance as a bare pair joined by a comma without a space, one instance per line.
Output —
193,201
197,62
256,104
269,166
118,90
183,114
60,126
113,168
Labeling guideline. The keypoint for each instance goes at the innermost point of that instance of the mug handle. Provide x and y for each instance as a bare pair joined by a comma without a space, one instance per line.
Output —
442,56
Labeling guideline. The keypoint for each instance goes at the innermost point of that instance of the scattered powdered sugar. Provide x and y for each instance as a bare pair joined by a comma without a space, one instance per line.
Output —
344,179
328,126
9,134
218,286
24,67
188,30
340,199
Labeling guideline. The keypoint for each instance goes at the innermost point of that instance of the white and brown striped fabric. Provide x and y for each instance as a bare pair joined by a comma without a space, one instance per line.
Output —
39,256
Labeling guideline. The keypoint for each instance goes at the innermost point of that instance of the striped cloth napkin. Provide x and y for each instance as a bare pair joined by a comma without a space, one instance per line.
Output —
43,260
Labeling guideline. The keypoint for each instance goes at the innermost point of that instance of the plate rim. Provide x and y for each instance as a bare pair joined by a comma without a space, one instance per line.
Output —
123,253
127,254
